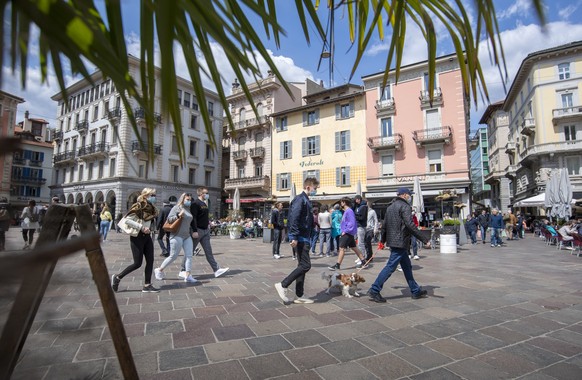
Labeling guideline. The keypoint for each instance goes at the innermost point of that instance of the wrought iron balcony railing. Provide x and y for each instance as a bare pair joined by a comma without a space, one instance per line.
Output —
258,152
433,135
239,155
64,157
137,147
94,149
385,142
82,126
139,114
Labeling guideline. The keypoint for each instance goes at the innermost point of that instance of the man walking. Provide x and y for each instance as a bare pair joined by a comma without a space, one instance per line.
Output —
300,224
361,212
278,226
161,233
483,220
398,227
496,221
201,234
371,230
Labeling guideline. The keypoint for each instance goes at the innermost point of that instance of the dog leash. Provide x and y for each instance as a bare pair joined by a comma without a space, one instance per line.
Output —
366,263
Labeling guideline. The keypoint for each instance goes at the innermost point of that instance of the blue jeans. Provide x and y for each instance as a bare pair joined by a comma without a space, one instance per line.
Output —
397,256
414,244
104,229
325,237
176,245
277,235
473,235
495,239
313,240
303,266
483,232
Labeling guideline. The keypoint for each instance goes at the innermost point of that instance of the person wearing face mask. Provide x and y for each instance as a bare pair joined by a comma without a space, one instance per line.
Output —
349,229
201,226
142,244
180,239
398,228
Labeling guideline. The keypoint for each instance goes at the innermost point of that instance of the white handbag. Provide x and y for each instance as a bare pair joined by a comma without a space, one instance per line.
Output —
131,225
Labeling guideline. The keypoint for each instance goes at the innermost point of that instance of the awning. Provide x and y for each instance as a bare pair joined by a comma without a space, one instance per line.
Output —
536,201
247,200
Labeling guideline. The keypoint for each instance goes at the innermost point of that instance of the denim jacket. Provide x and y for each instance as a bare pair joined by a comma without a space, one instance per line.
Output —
300,220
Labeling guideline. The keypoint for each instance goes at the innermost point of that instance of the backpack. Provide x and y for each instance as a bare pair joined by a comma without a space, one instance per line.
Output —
33,217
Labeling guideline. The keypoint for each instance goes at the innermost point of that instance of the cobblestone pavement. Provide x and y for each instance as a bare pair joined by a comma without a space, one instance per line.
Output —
508,312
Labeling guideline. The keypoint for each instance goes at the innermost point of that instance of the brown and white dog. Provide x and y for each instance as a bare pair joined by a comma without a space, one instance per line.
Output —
343,281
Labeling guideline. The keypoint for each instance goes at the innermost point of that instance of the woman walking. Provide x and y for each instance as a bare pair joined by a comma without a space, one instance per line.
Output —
141,215
106,219
30,223
181,239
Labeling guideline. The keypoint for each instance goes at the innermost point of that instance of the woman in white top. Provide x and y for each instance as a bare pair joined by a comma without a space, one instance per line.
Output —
324,219
181,239
30,222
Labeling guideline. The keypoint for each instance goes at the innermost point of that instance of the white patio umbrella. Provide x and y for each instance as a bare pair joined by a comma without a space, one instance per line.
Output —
552,193
359,188
293,193
417,199
236,201
563,209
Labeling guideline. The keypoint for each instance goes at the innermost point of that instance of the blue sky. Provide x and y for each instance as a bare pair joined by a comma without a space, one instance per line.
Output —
520,34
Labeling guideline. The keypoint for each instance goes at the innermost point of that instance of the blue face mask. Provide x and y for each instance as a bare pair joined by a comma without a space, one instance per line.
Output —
152,200
206,196
313,192
187,203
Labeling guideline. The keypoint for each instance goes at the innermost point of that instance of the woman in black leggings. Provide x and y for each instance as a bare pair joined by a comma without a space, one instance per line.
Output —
142,216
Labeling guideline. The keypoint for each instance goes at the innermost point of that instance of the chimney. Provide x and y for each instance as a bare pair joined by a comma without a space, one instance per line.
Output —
26,115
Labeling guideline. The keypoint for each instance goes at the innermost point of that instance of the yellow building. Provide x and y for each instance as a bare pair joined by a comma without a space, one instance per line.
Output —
545,120
326,139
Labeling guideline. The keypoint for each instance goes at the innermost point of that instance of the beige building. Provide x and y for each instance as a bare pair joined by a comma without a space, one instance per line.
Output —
545,119
497,122
8,107
326,139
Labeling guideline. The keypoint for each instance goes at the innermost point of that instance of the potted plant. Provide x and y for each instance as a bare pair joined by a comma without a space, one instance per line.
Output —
235,230
448,237
450,226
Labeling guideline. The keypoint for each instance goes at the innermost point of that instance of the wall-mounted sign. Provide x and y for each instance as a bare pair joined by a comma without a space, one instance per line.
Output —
309,163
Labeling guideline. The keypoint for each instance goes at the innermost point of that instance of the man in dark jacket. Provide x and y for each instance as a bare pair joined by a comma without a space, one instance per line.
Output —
496,221
471,226
398,228
161,233
300,224
483,221
361,210
278,226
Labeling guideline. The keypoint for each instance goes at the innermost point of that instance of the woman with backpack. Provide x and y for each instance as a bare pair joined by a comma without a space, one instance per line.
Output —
30,222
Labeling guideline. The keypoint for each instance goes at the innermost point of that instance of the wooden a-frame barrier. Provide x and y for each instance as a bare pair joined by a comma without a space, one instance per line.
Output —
33,270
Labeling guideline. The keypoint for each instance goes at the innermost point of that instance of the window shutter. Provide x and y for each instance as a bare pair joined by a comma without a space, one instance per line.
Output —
348,182
282,150
304,146
317,174
337,112
317,116
304,119
337,141
352,106
348,146
304,175
290,150
316,144
278,181
338,175
278,124
42,153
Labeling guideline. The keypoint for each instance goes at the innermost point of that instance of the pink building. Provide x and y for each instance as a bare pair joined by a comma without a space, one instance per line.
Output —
408,136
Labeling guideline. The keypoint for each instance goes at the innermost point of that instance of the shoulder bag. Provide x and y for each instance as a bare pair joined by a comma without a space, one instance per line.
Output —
172,227
131,224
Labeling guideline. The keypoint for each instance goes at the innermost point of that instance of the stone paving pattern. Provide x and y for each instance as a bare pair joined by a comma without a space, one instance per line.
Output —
492,313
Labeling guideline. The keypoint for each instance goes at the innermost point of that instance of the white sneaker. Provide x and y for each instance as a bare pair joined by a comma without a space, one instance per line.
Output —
416,257
190,279
159,274
302,300
220,272
276,256
182,274
399,268
283,292
358,261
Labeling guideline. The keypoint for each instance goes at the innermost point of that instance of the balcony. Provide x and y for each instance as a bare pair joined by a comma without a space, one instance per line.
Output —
385,107
239,155
474,141
114,115
379,143
82,126
510,147
528,127
437,99
28,179
565,115
136,147
140,116
511,171
262,183
97,150
36,163
433,135
257,153
64,158
533,152
57,135
262,121
18,161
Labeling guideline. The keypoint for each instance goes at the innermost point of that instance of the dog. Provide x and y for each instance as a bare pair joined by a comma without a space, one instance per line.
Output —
343,281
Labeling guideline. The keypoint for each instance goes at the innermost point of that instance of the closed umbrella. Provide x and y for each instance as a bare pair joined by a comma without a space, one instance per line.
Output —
293,193
359,188
236,201
417,199
564,208
552,193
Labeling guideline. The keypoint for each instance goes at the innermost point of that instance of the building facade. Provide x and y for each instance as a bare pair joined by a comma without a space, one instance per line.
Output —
499,148
31,164
409,136
544,105
249,141
480,190
98,156
325,138
8,107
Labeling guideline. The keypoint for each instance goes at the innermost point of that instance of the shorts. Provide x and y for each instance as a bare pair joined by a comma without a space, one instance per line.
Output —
347,241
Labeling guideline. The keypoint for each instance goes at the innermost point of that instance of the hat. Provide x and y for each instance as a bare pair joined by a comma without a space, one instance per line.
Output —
403,190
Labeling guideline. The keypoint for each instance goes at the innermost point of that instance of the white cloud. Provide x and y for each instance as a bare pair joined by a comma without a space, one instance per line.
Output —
519,7
566,12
